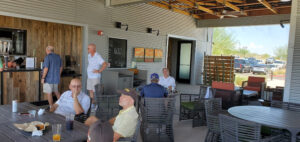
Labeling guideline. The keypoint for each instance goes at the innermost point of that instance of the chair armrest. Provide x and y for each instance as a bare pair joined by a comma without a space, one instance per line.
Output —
245,83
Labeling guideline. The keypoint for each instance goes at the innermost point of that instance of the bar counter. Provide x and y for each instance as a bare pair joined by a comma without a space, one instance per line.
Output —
20,84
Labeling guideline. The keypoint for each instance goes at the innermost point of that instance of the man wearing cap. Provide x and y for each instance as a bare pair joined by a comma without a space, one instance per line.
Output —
124,124
154,90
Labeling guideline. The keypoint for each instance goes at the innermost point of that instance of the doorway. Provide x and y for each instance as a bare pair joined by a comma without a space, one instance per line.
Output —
180,59
184,61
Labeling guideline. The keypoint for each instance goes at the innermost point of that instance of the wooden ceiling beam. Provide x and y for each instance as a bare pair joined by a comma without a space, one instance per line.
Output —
206,3
234,1
198,7
168,7
268,5
246,4
254,12
228,4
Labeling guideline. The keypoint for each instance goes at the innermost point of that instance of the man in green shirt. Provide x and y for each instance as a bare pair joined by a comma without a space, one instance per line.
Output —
124,124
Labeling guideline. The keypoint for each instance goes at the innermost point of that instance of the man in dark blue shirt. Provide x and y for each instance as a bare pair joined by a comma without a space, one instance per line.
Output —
51,74
154,90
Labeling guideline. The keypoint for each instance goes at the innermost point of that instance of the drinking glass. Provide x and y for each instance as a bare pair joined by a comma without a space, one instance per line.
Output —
56,132
69,121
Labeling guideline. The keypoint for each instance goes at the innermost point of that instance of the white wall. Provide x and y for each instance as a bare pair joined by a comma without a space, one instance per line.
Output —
96,16
292,80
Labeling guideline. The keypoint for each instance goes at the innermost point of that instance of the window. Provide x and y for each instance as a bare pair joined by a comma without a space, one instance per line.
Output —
117,56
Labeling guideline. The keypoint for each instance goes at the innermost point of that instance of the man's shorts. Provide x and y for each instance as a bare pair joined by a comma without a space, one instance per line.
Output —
49,88
91,83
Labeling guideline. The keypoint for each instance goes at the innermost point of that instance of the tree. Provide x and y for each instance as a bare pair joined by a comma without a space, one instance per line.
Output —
243,51
281,53
223,42
265,56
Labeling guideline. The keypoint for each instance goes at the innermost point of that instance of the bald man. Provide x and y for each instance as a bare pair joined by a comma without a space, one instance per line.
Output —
52,69
73,101
95,67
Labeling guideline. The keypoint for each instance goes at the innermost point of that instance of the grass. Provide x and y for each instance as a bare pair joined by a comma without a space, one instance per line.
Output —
239,79
279,72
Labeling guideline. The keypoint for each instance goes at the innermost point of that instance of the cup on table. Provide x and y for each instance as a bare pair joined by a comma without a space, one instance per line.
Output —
69,121
56,132
32,113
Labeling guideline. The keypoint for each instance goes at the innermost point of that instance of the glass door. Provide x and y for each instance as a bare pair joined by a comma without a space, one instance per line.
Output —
184,62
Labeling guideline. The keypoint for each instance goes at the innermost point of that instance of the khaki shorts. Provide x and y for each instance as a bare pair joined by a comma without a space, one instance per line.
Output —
49,88
91,83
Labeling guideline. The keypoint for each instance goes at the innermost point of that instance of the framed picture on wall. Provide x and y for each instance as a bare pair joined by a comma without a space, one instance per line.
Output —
139,54
158,54
149,55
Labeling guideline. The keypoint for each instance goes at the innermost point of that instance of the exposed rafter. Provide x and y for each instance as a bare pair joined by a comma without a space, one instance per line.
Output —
269,6
215,9
202,8
230,5
174,9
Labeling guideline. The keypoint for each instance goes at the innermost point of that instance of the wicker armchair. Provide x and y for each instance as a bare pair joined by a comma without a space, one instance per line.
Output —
238,130
192,107
212,108
157,116
108,106
255,84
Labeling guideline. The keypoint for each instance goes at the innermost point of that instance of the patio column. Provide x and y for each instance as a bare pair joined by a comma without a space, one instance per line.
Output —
292,80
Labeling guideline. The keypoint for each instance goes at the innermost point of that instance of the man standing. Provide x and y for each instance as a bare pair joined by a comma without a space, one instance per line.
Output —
51,74
154,90
73,101
93,70
167,81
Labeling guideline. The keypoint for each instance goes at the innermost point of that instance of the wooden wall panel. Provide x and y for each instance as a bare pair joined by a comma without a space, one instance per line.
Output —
67,39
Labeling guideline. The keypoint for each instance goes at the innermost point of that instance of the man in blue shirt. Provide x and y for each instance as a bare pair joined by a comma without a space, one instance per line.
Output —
51,74
154,90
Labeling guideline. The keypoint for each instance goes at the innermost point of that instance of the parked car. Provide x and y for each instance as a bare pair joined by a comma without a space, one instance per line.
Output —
260,68
272,67
260,62
279,64
270,60
241,65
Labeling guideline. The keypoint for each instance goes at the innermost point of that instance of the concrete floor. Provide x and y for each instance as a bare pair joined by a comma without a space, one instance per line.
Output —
183,131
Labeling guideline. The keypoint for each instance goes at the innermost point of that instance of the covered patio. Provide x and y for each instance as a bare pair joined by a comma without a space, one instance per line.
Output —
140,37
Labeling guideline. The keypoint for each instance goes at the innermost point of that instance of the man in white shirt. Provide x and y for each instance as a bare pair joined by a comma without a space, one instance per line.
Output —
95,66
73,101
166,80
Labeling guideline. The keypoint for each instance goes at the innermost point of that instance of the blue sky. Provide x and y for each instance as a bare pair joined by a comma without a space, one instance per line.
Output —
261,39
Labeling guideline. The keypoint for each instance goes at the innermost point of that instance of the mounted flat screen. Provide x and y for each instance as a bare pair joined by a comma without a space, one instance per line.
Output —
117,56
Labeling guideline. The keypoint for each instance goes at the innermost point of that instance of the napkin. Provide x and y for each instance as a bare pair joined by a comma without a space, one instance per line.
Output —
37,133
41,111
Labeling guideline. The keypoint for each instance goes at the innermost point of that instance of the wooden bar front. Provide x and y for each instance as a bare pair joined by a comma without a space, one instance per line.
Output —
20,84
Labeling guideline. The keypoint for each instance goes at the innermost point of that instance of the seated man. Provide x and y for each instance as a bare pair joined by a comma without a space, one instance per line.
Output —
154,90
73,101
124,124
167,81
